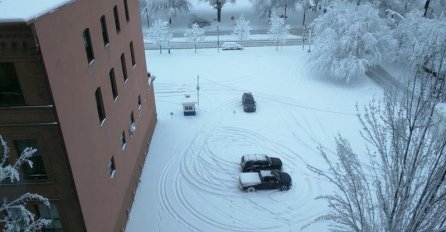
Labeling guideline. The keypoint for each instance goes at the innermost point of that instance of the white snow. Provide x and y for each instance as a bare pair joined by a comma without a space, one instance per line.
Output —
26,10
190,180
250,178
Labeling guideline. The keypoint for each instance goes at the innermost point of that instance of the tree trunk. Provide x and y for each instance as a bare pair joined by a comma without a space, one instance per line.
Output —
303,21
170,20
160,49
285,11
195,47
219,14
426,7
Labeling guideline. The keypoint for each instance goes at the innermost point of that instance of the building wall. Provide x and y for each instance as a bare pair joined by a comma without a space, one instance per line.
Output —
36,120
90,145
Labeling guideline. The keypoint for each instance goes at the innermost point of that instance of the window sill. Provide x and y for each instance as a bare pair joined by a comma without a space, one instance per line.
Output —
103,121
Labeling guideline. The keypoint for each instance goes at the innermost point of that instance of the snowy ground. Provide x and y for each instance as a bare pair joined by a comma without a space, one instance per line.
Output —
190,179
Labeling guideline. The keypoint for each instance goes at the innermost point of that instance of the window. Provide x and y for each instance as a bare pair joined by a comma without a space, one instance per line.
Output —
115,14
132,53
88,46
50,213
113,83
122,139
132,124
37,171
139,102
100,105
124,68
10,91
104,30
126,9
112,167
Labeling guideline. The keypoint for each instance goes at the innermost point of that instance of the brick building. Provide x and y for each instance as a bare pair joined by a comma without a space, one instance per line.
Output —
74,85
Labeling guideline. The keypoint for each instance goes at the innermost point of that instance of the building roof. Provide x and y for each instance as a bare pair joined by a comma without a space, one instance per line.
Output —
27,10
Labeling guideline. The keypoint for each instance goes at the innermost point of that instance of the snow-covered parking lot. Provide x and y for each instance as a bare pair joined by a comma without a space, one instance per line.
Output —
190,179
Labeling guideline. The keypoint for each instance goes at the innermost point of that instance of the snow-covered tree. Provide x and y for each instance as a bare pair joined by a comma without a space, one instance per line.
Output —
167,8
413,32
159,33
14,217
195,35
218,5
399,183
268,7
350,39
241,29
278,30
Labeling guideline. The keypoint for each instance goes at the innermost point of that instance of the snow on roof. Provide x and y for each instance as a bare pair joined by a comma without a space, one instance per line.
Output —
257,157
26,10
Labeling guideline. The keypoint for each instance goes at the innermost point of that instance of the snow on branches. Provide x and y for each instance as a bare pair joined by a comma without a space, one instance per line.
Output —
278,30
419,38
195,35
399,183
13,214
241,29
159,33
349,39
167,8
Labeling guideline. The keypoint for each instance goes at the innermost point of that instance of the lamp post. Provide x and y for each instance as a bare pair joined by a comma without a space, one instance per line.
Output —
198,90
218,39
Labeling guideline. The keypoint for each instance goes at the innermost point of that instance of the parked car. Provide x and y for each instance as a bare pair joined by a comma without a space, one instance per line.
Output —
231,46
257,162
264,179
249,105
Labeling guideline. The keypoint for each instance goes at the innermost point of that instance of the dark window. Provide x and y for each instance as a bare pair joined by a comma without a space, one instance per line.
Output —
126,9
50,213
122,140
113,83
100,105
88,46
37,171
124,68
112,167
10,91
139,102
115,14
132,53
104,30
132,124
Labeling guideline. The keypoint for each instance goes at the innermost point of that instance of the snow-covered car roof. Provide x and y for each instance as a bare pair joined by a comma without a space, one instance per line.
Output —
255,157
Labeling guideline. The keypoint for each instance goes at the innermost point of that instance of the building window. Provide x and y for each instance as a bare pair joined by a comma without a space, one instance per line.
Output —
112,167
139,102
126,9
100,105
124,68
50,213
115,14
10,91
104,30
88,46
37,171
132,124
132,53
113,83
122,140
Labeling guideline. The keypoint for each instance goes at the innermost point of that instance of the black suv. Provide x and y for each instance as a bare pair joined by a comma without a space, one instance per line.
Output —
249,105
256,162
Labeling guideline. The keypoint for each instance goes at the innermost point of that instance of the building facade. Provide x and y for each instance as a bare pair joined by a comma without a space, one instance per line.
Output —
74,85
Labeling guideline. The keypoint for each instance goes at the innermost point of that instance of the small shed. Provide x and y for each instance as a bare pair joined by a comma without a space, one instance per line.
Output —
189,105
